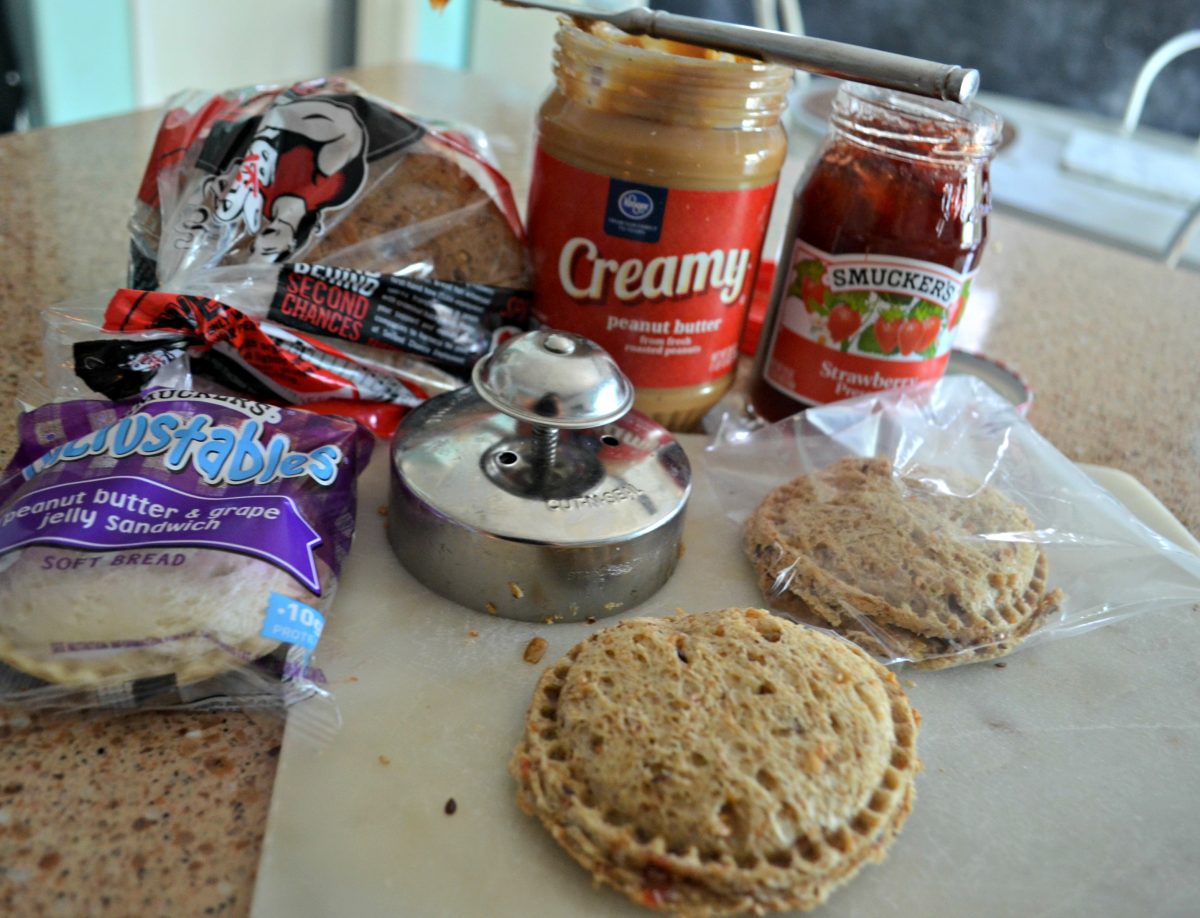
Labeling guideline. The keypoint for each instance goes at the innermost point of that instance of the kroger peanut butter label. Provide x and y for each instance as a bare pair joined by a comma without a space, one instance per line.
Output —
659,277
849,324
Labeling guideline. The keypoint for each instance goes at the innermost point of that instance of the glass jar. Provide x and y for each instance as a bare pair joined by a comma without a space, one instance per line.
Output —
652,187
884,238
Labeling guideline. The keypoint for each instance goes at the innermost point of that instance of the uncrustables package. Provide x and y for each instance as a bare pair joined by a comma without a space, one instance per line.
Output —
176,549
935,526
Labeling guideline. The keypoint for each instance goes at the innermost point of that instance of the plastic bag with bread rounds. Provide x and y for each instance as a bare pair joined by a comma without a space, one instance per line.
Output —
935,526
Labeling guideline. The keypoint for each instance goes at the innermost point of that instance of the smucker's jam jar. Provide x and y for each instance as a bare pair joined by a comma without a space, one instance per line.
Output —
652,188
885,235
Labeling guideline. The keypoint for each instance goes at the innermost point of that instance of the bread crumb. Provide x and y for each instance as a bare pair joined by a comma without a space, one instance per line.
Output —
591,619
352,679
472,633
384,760
513,588
610,606
490,607
381,509
910,683
1000,665
535,649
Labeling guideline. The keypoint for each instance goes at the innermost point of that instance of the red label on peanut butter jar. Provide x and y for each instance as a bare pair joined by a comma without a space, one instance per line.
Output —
849,324
658,277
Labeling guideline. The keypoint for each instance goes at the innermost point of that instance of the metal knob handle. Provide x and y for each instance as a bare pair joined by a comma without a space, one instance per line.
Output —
553,380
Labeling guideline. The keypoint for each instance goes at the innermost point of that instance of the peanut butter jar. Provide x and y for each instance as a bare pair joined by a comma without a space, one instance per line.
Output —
652,187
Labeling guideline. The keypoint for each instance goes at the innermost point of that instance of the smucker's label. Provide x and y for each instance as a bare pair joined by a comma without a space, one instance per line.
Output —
850,324
659,277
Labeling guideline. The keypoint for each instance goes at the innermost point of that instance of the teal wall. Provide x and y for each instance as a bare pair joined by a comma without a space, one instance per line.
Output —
444,36
84,59
83,66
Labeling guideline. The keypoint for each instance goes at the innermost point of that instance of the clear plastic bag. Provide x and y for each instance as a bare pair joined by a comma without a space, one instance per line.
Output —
935,526
142,340
368,245
180,549
323,172
82,360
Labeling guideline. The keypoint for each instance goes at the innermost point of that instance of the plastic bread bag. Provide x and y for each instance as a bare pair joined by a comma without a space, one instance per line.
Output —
81,360
141,340
388,244
321,172
935,526
178,549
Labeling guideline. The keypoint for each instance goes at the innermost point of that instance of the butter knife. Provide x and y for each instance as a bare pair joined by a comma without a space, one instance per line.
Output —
816,55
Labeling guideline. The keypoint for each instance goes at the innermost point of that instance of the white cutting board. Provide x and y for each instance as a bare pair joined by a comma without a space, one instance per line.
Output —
1065,783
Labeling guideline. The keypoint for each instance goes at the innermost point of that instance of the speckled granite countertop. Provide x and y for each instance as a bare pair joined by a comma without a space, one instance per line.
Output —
155,814
146,814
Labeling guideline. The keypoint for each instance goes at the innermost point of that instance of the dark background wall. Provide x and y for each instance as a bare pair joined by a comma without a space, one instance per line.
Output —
1083,54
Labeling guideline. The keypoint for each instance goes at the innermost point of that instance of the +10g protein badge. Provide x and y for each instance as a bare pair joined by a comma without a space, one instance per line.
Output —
180,533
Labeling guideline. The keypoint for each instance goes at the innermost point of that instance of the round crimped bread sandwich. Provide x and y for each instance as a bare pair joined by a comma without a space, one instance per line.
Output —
84,618
719,763
900,564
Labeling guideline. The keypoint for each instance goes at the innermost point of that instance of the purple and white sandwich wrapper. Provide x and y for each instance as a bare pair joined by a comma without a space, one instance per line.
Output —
180,469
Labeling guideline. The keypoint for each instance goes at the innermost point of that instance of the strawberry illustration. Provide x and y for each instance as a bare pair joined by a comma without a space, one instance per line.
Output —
930,327
812,291
843,322
909,335
886,333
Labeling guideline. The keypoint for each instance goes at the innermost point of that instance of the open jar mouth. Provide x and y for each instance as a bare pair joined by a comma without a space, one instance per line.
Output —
905,125
606,69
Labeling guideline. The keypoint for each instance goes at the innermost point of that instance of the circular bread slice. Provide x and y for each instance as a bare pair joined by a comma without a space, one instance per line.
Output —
892,642
718,763
870,551
85,618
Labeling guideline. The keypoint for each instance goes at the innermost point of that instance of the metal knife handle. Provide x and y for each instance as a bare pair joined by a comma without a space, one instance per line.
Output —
817,55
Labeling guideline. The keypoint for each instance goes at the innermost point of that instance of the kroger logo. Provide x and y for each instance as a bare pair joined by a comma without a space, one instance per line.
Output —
636,205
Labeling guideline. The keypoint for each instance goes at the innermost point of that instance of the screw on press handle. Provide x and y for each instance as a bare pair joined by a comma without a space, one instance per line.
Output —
555,381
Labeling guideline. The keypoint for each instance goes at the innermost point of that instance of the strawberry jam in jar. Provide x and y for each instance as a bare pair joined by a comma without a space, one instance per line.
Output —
884,238
652,187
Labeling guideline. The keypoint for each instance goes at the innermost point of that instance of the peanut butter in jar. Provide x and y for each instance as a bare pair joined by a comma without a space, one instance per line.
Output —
652,188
